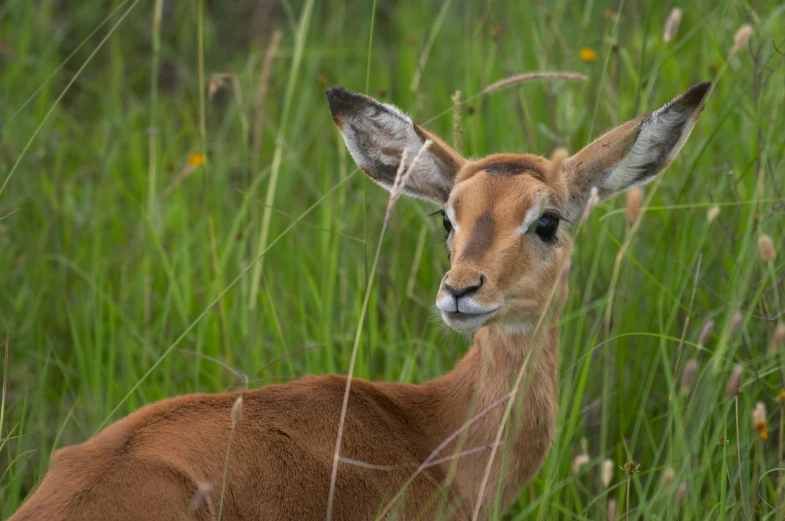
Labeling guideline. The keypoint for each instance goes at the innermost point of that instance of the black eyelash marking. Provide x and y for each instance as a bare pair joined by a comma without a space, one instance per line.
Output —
446,235
556,215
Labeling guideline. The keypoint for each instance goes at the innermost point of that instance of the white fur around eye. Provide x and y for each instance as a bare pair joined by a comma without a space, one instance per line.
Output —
532,215
450,211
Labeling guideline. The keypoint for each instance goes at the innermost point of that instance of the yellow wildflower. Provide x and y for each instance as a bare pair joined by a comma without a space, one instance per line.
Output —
196,159
587,55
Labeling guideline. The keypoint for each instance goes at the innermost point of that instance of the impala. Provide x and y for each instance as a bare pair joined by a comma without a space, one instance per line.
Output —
428,451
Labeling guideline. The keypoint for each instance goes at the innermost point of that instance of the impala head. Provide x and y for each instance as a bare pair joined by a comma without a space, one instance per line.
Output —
507,215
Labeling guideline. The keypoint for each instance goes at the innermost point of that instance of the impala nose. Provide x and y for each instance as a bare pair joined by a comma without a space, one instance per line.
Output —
464,291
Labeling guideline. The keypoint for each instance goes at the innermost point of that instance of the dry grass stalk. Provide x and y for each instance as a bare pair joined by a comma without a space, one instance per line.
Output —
738,456
671,25
689,376
184,174
237,411
627,503
466,452
736,321
457,126
778,338
449,439
633,208
565,271
236,416
402,177
734,382
261,93
594,200
398,184
395,192
766,246
557,161
741,38
781,442
529,76
5,380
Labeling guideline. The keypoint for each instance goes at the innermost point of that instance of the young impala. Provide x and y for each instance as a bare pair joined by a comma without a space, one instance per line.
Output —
507,217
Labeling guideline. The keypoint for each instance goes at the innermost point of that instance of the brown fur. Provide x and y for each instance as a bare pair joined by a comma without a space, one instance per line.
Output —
151,464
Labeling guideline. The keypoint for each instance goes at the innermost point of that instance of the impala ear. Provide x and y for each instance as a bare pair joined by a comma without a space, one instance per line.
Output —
376,135
633,153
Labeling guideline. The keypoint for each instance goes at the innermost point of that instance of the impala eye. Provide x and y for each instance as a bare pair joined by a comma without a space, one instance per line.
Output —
446,223
547,227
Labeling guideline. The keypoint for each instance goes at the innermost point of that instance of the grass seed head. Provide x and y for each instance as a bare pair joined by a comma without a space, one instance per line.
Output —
689,376
778,338
767,252
734,382
759,420
457,126
578,462
631,467
681,493
713,213
606,472
557,161
736,321
220,81
741,38
705,334
671,25
668,475
613,507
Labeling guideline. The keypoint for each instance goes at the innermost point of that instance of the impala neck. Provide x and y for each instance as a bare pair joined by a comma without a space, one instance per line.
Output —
478,386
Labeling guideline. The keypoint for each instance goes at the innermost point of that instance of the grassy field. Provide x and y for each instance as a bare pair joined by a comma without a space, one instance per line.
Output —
132,270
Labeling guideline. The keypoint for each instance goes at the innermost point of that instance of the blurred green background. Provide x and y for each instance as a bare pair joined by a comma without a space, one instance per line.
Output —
176,216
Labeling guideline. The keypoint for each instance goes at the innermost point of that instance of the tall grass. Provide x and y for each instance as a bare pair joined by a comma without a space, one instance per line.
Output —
104,278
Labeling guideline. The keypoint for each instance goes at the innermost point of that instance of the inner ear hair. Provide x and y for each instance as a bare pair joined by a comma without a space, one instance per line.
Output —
634,152
376,135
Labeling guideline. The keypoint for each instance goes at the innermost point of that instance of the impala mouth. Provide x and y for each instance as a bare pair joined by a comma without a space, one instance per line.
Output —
466,322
